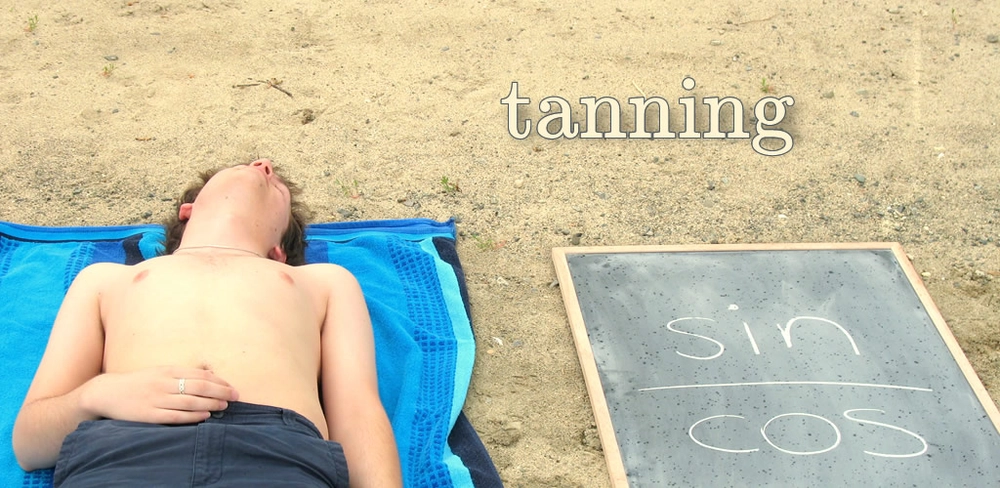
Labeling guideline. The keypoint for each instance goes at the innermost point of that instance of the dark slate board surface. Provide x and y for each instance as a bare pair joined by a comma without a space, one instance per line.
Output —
693,354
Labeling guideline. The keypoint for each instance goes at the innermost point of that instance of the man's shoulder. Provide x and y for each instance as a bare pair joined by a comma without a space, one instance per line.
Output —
325,270
95,276
101,270
328,276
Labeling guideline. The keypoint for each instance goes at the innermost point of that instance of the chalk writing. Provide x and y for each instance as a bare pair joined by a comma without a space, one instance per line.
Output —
780,383
787,331
893,427
670,327
786,334
763,432
834,445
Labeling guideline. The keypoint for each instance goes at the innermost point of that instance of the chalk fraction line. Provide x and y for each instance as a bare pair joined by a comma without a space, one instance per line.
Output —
787,383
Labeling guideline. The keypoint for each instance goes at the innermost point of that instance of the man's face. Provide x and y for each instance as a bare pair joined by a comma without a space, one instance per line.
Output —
253,190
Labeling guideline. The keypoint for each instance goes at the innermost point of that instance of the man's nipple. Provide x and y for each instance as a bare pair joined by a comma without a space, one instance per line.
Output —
140,276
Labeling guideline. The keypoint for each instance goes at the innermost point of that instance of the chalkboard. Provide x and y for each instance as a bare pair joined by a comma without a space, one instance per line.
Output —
774,365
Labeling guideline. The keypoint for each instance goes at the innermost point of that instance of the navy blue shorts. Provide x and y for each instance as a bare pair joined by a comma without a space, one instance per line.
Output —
245,445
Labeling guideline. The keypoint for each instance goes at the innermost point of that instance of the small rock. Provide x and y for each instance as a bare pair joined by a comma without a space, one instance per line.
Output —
894,10
111,57
519,183
716,42
307,116
992,39
575,240
861,178
591,439
828,94
508,433
147,214
926,274
854,113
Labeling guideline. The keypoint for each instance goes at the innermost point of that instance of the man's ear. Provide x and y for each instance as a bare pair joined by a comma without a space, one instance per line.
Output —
184,213
277,254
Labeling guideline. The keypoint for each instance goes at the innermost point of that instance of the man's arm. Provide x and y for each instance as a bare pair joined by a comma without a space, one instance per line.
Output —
351,403
53,407
69,386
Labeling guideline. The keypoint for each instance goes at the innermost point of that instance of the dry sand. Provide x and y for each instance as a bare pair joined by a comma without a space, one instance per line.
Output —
108,108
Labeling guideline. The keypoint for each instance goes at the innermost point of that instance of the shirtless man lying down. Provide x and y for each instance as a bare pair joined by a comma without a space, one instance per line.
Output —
217,363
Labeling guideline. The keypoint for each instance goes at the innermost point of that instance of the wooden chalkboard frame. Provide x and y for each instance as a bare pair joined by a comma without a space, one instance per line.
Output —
588,363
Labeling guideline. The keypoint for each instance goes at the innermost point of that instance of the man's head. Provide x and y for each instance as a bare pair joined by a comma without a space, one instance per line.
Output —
256,189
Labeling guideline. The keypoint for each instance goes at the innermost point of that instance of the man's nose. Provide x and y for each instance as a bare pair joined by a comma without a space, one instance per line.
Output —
263,165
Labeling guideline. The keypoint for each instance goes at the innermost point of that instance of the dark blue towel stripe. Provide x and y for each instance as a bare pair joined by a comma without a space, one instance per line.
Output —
465,443
433,335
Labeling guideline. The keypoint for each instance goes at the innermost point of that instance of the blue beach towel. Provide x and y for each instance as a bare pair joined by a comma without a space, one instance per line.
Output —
414,287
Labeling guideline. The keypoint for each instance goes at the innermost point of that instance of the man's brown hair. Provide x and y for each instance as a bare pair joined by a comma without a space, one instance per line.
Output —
292,241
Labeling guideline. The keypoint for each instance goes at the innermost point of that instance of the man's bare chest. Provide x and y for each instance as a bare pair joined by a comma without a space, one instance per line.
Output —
211,313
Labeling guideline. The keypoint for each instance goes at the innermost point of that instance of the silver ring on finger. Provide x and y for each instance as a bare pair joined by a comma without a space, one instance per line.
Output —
180,386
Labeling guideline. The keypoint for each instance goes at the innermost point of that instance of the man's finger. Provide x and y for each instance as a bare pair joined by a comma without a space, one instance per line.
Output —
192,403
207,389
170,416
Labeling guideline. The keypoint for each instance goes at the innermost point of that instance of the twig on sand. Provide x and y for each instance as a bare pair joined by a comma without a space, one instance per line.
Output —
756,20
640,90
273,83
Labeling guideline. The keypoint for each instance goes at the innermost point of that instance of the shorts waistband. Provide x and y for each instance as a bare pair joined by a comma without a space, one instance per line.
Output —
243,412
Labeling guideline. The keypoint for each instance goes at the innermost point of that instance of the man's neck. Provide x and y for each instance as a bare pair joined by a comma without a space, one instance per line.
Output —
222,234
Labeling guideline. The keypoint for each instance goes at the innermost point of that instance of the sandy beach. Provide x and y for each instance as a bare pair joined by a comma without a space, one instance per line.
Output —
386,110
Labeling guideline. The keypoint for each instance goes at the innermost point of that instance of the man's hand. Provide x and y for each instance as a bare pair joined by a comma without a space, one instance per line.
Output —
154,395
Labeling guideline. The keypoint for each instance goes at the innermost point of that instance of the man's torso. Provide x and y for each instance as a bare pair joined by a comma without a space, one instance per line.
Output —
254,322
